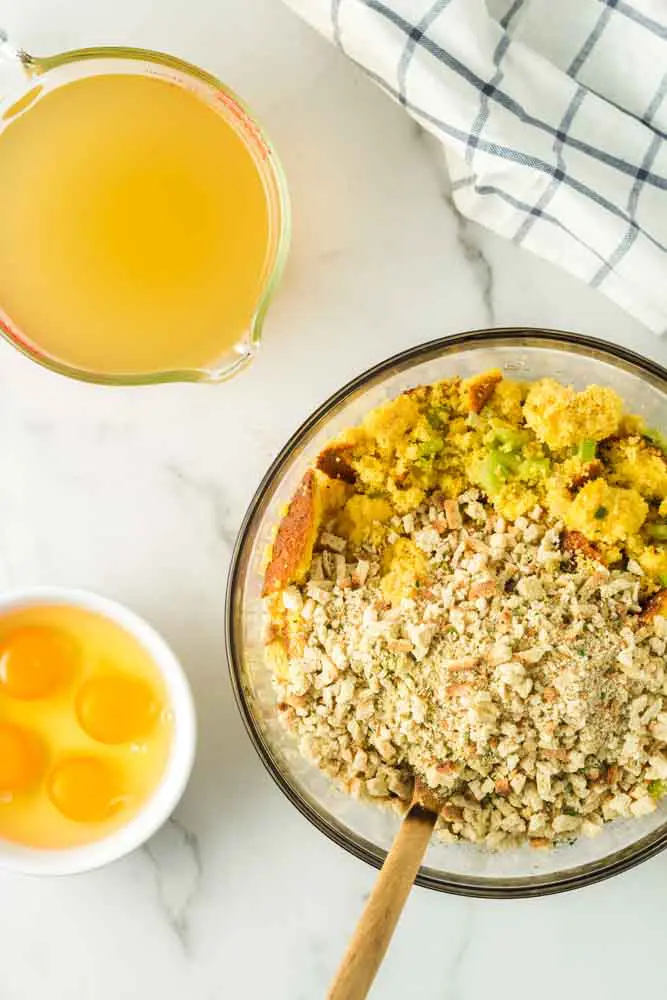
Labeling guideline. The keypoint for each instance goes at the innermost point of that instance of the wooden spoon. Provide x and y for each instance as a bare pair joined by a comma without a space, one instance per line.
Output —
385,904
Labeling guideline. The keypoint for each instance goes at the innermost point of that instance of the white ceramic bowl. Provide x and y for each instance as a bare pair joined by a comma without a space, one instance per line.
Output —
160,805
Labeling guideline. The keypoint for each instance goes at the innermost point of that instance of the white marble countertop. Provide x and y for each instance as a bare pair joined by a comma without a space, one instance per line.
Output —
139,494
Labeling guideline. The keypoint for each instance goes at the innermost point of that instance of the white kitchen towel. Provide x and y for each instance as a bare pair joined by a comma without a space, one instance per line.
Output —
553,115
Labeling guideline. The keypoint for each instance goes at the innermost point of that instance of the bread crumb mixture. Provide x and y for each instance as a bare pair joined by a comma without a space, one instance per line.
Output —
521,679
470,587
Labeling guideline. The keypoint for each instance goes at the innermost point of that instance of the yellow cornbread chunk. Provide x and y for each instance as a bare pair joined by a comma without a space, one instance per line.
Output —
605,513
561,417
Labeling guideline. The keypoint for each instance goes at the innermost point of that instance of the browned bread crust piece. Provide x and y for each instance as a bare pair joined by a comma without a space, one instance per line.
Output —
317,496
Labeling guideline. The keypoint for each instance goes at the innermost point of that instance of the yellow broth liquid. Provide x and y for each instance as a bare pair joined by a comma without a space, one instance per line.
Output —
135,226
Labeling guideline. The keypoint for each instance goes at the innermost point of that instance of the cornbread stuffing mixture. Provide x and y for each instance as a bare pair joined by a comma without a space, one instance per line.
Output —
471,589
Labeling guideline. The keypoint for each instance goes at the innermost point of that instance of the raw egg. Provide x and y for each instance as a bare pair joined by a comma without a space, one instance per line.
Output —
116,708
35,661
21,760
85,726
85,789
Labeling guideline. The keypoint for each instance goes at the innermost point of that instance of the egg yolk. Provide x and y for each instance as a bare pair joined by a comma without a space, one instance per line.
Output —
116,708
35,661
21,759
85,789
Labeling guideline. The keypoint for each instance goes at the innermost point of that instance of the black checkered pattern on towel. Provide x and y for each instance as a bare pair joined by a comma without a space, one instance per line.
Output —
553,116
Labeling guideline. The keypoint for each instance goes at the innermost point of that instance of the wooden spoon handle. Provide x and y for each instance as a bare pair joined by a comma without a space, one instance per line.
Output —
376,925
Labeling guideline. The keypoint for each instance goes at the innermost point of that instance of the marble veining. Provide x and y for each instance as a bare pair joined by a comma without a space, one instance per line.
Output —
456,971
210,494
139,493
467,233
176,858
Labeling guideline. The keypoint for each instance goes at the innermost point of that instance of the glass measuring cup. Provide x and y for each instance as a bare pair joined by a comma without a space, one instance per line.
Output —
25,80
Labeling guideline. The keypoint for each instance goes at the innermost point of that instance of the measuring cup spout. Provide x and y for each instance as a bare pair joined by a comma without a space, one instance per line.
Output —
15,65
10,55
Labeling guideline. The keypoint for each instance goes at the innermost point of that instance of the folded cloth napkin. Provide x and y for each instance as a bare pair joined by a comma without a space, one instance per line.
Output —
553,115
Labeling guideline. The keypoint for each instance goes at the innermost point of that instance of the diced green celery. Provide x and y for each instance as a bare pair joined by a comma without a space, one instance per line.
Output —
657,789
506,463
657,531
488,480
507,438
656,437
493,471
662,579
430,448
587,450
436,418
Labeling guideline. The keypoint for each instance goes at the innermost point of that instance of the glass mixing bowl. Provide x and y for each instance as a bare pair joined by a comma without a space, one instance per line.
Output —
368,831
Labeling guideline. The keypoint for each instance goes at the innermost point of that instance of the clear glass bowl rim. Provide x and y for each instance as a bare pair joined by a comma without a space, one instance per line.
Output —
500,888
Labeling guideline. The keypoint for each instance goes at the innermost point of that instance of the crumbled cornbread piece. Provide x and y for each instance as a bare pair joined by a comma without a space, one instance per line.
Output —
561,417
